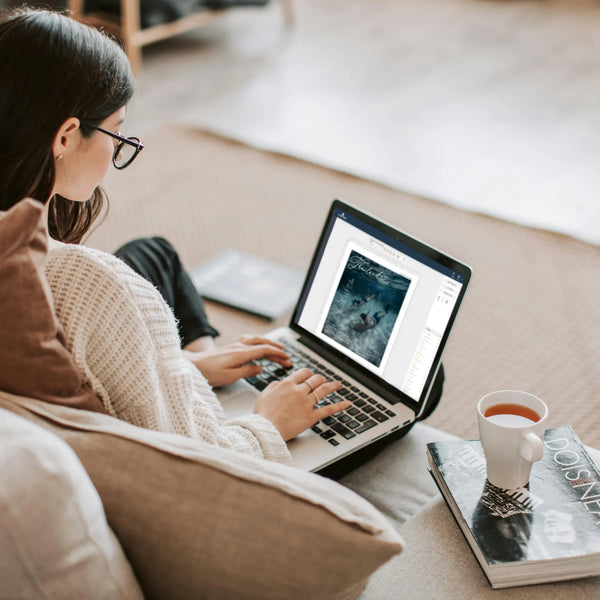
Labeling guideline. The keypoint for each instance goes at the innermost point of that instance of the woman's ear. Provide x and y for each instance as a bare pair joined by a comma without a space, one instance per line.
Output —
67,138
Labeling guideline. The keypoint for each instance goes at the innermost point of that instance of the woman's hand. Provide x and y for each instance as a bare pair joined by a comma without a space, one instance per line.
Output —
289,404
222,366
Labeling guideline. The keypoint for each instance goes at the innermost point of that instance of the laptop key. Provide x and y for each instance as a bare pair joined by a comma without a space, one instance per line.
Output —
316,429
360,402
352,424
327,434
344,418
361,417
366,425
353,411
342,430
333,442
267,377
368,409
329,420
390,413
379,416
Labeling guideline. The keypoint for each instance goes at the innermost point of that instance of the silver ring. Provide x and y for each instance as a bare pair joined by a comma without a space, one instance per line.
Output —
316,397
312,389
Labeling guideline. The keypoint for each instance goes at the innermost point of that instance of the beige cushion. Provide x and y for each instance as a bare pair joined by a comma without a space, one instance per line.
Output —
33,358
397,481
54,539
197,521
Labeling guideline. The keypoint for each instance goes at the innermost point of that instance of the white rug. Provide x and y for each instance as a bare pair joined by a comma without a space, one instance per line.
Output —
493,107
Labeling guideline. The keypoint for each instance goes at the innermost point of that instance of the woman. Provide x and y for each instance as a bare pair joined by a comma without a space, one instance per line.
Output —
64,88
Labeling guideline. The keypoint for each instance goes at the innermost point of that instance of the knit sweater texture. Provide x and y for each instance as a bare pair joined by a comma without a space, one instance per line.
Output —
124,339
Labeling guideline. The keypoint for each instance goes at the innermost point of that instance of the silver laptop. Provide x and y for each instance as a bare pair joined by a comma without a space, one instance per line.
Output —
375,312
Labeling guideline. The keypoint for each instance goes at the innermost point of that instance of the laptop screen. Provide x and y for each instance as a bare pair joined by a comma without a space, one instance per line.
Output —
381,302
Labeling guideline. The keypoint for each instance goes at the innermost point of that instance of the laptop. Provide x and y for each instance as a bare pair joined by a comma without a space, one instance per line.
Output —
375,312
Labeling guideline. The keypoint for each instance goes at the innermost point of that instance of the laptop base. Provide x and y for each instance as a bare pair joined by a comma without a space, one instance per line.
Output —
343,466
360,457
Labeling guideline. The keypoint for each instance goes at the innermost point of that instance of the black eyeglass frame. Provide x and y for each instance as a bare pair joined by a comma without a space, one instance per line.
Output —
131,141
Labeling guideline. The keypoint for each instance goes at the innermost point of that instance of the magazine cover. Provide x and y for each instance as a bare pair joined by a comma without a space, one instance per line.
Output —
365,307
557,516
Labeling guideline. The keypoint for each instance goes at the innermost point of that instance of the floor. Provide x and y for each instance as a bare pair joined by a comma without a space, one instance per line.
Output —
490,105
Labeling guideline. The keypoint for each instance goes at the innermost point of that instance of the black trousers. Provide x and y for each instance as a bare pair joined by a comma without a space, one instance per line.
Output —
156,260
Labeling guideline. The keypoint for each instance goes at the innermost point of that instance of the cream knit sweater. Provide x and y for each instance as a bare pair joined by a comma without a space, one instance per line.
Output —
124,339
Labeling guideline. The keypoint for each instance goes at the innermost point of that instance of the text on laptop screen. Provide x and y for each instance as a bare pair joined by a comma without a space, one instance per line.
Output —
379,302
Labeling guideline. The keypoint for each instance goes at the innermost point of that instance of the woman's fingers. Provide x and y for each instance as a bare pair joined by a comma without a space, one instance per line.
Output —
325,387
253,340
290,403
244,371
245,354
316,386
299,376
266,348
312,382
330,409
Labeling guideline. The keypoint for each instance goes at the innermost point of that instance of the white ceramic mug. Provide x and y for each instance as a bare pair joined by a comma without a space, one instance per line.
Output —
511,429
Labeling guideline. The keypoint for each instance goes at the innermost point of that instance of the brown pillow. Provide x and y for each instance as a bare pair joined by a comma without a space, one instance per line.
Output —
199,521
33,358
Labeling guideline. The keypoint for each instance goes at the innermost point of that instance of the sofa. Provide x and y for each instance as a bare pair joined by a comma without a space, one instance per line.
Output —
96,508
93,507
99,508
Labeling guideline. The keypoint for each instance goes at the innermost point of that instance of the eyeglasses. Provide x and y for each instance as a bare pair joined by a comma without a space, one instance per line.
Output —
127,148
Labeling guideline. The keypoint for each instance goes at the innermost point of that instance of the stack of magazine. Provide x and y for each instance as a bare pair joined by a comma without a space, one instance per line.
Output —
250,283
547,531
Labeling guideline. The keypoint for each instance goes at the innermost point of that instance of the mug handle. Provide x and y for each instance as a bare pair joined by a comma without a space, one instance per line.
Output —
532,447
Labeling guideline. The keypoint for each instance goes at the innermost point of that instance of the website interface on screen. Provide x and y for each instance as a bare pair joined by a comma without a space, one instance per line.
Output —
380,302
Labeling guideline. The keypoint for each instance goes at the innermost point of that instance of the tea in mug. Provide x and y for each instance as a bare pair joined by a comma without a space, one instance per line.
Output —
511,415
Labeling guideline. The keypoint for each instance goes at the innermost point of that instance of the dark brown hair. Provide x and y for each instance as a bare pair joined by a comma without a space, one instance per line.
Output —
53,68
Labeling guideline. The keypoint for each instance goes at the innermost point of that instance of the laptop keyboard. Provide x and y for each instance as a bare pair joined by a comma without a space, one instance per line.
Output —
365,412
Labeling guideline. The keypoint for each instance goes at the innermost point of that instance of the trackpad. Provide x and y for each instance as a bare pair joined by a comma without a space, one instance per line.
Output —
237,399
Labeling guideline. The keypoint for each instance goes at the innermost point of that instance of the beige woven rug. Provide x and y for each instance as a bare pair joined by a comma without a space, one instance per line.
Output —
530,319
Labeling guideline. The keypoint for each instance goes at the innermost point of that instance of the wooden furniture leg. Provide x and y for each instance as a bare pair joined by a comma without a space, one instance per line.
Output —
130,26
288,12
129,30
76,8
